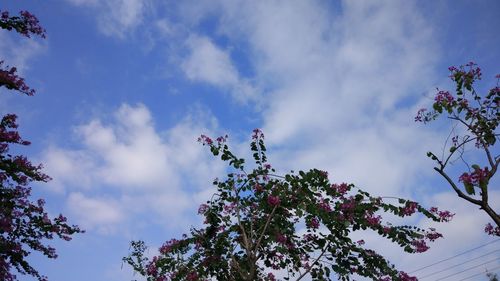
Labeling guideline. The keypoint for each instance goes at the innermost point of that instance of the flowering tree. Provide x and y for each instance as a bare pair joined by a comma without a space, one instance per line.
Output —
259,223
476,118
24,224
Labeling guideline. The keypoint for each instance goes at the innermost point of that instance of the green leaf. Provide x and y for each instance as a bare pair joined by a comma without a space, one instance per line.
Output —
469,188
437,107
453,149
431,155
490,139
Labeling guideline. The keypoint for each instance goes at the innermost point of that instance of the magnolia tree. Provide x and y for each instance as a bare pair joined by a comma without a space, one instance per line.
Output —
476,118
259,225
24,224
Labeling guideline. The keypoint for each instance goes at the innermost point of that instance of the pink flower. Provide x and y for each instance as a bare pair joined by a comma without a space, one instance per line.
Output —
257,134
340,188
433,235
475,177
203,209
387,229
205,140
151,268
348,205
273,200
420,246
492,230
403,276
228,208
314,223
444,97
324,206
409,209
323,174
222,139
373,220
280,238
192,276
167,247
444,216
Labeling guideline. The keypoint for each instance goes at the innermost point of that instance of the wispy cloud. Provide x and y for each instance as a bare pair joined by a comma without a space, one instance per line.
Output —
208,63
343,82
116,17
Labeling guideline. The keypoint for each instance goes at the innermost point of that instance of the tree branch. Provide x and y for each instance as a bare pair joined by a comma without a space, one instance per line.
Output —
257,245
457,190
315,262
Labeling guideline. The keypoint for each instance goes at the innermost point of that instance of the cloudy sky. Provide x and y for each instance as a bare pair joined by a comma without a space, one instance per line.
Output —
125,87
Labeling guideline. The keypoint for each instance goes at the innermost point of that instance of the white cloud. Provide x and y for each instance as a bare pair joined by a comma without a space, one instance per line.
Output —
208,63
67,166
132,151
116,17
98,213
164,174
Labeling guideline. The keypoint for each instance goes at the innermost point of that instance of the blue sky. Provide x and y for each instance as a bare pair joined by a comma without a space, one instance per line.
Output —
124,87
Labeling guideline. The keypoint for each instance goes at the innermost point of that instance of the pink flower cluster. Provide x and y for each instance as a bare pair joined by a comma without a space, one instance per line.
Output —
167,246
444,97
444,216
229,208
257,134
10,80
205,140
473,72
340,188
280,238
203,209
323,173
403,276
432,235
372,219
420,246
314,223
222,139
26,23
492,230
410,208
475,177
325,206
151,268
